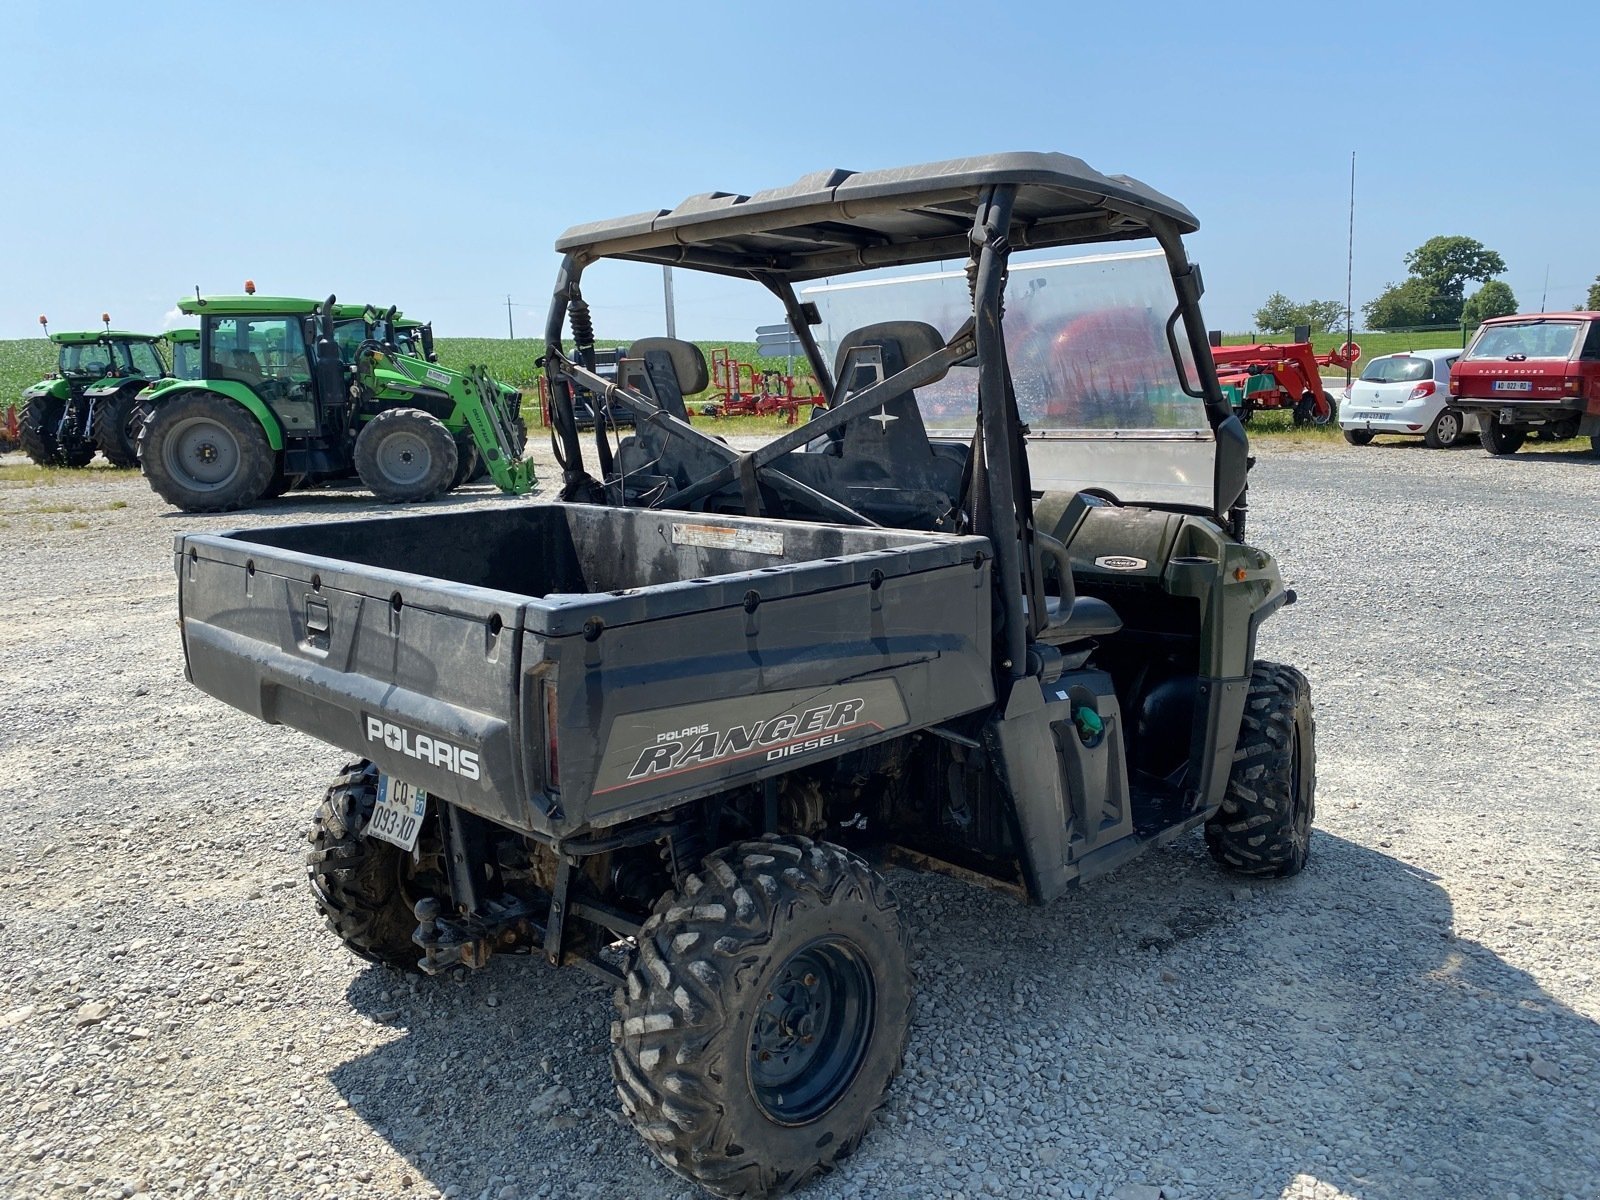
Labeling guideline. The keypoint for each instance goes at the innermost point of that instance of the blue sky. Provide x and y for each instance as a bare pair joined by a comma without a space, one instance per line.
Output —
430,153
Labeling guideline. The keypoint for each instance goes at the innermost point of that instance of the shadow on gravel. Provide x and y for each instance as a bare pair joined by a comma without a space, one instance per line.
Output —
1167,1026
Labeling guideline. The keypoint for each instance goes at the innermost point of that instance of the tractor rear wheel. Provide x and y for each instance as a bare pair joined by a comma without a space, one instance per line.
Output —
36,429
764,1016
117,420
366,888
1264,824
404,455
1445,430
1497,439
1358,437
205,452
1594,443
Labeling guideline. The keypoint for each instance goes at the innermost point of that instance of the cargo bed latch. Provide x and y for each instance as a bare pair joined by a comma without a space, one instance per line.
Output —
318,624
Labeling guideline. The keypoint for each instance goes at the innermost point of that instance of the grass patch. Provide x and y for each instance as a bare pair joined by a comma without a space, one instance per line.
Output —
30,475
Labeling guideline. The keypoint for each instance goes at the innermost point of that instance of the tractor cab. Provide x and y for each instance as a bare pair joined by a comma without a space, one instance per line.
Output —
185,348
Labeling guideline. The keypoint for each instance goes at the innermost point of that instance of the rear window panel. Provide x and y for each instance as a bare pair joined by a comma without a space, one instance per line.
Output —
1399,368
1527,339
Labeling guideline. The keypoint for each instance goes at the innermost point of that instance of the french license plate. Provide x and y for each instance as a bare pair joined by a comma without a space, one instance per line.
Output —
397,818
1513,385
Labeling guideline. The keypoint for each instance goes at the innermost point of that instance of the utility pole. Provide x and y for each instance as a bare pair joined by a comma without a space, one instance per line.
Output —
1350,272
672,312
511,332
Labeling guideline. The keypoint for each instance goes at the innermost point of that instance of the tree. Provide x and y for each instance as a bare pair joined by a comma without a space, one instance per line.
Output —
1493,299
1279,312
1322,315
1593,303
1445,265
1401,306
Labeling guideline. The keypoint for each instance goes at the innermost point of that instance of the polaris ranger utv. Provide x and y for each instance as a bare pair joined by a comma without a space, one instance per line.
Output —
277,402
94,401
666,728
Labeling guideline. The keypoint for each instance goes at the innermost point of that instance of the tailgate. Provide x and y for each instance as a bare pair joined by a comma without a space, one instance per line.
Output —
419,675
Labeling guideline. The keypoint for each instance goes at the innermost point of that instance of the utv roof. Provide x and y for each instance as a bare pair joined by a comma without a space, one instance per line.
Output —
289,305
88,336
834,221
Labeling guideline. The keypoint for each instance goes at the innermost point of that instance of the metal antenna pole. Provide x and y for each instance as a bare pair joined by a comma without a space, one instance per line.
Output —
1545,295
672,311
511,333
1349,272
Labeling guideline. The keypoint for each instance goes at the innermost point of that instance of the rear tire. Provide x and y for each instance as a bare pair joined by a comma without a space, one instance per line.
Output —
117,421
764,1017
404,455
36,430
1594,443
1498,440
366,888
1358,437
1445,430
1264,824
205,452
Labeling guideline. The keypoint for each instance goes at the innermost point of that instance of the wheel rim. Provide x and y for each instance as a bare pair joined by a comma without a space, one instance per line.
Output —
404,458
1449,428
811,1032
202,453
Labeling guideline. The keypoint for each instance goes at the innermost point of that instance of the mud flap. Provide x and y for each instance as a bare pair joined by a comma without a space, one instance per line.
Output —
1067,779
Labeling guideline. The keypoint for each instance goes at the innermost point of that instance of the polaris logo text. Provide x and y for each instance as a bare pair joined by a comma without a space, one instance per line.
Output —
776,738
424,748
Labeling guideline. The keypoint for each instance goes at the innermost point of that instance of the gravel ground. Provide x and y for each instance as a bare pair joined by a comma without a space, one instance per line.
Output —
1414,1016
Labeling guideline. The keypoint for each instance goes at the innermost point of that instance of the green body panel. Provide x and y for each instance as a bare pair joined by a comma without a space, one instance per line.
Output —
59,388
225,305
165,389
182,335
87,337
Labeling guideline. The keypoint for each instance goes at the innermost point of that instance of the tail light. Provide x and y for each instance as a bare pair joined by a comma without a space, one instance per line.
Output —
1423,390
1572,386
552,748
1455,386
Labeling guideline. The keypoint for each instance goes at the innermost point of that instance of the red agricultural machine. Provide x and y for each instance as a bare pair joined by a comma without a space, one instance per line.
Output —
1283,375
10,432
743,390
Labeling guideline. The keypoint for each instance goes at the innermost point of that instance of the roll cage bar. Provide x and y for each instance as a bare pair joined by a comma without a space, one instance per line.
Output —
838,222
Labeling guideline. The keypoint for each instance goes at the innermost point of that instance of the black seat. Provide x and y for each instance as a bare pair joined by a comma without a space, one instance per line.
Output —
675,370
1082,617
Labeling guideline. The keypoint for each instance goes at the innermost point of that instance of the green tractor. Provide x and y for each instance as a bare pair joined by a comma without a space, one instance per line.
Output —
279,400
94,399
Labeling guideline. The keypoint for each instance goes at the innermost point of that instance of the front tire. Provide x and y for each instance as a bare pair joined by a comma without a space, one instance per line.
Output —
365,888
405,455
205,452
1445,430
1264,824
1498,440
36,430
1358,437
765,1016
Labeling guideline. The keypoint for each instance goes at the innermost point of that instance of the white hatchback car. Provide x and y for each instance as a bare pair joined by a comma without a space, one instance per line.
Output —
1408,394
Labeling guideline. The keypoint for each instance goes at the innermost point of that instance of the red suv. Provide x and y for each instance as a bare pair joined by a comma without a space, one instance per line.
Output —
1528,373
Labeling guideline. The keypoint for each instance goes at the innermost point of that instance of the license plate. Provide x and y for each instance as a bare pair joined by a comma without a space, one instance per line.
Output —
1513,385
397,818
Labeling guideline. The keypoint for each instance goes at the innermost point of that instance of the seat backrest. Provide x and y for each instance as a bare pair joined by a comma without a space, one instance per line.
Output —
897,428
676,370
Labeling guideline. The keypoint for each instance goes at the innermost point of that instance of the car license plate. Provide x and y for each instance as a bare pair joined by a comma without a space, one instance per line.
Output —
1513,385
397,818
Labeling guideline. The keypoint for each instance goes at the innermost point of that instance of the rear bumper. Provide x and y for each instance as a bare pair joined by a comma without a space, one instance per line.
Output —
1412,418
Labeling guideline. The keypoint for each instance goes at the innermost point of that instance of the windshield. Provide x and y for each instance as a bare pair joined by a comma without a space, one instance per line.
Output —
1085,337
349,335
405,341
87,358
1526,339
1401,368
145,360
